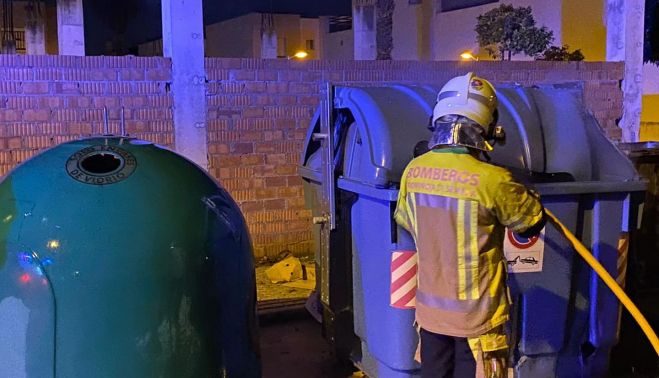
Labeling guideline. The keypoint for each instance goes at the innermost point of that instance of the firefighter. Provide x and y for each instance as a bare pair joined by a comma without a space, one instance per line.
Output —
456,206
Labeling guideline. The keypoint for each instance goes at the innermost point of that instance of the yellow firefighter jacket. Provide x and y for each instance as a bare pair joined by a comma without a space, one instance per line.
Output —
457,207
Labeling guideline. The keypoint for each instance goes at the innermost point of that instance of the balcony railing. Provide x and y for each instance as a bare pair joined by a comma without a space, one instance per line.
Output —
19,37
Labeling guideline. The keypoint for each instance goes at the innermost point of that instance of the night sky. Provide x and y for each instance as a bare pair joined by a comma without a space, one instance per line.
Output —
132,22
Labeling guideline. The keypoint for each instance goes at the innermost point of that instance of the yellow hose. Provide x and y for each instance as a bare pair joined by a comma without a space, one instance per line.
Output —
608,280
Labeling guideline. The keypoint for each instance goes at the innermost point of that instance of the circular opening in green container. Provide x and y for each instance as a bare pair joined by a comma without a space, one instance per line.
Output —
101,163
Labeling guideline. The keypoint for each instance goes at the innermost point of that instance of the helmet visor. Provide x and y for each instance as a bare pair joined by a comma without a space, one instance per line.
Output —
460,132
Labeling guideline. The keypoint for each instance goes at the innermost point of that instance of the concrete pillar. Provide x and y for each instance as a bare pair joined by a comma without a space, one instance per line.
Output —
183,42
7,37
363,25
35,26
624,43
268,37
70,27
269,45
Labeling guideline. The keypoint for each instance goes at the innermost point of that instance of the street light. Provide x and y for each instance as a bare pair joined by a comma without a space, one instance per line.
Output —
299,55
467,55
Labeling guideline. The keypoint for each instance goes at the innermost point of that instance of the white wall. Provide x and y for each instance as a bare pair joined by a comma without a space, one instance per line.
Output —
241,37
453,31
406,31
310,30
339,45
235,38
364,27
288,33
650,79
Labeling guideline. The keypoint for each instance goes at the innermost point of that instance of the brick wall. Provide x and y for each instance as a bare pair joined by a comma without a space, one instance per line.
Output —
258,113
47,100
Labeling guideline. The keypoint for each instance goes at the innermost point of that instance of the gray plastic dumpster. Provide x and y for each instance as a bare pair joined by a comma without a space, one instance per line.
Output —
564,321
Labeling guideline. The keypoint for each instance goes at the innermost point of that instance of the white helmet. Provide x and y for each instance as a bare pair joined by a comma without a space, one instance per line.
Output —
465,113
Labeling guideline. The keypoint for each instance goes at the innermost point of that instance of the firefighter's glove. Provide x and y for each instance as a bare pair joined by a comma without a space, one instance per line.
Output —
495,363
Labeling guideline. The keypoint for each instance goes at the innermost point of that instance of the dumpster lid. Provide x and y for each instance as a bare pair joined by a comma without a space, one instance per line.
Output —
548,130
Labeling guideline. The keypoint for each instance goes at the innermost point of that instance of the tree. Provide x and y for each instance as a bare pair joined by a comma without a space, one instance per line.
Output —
384,40
506,31
562,53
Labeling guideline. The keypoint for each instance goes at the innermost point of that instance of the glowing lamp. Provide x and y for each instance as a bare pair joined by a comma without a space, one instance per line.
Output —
467,55
299,55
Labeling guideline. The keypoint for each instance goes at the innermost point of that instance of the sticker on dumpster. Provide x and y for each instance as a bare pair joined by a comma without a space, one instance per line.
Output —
524,255
403,279
623,252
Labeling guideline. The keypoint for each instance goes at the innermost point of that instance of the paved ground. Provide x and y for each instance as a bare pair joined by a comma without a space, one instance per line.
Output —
291,342
266,290
293,347
634,356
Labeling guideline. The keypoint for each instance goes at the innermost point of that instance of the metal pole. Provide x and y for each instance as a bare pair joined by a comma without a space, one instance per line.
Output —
106,125
331,184
327,139
326,220
123,123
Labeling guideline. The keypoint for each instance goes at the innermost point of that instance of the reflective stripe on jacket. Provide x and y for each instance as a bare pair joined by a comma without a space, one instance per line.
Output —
457,207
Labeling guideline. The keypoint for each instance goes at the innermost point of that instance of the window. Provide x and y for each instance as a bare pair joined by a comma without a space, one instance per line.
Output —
449,5
340,23
310,45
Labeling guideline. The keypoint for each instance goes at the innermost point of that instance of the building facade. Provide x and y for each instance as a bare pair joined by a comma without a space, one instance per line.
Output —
270,36
604,30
